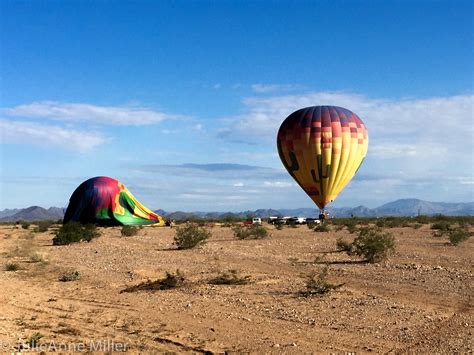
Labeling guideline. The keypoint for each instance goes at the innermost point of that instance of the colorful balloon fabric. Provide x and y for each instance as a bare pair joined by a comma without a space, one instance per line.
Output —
322,147
106,201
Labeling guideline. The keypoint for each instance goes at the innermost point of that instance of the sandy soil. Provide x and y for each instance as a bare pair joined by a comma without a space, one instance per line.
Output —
420,300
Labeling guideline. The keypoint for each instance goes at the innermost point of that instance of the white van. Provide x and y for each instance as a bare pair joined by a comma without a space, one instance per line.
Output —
256,220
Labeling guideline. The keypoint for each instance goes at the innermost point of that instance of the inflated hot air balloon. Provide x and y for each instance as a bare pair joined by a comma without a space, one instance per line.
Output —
322,147
106,201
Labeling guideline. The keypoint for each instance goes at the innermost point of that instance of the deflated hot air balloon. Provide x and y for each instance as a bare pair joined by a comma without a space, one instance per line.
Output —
106,201
322,147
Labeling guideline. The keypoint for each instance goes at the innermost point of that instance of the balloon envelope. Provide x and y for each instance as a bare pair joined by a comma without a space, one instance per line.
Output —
322,147
104,200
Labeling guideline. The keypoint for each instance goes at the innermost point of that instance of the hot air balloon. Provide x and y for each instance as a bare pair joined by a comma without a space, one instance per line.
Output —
106,201
322,147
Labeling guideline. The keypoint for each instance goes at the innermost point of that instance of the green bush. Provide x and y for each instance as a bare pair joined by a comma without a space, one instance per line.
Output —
318,284
231,277
459,235
322,227
168,282
373,244
129,231
11,267
42,226
253,231
442,226
190,236
34,340
70,276
342,245
74,232
25,224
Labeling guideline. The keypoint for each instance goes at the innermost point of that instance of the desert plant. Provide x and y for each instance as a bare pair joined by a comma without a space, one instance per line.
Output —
43,226
317,284
458,235
25,224
37,257
322,228
169,281
253,231
342,245
129,231
442,226
373,244
70,276
34,340
190,236
231,277
74,232
279,227
11,267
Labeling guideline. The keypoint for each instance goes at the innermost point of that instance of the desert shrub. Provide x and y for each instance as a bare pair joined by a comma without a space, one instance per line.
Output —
36,257
279,227
373,244
317,284
323,228
190,236
129,231
169,281
342,245
231,277
253,231
12,267
441,226
34,340
459,235
42,226
74,232
416,225
70,276
351,225
25,224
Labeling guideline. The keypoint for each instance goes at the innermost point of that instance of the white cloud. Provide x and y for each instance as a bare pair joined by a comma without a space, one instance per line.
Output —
440,116
272,88
87,113
278,184
47,135
238,184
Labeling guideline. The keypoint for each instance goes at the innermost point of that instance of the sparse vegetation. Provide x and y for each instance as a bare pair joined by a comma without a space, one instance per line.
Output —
34,340
458,235
443,226
322,228
169,281
70,276
74,232
373,244
231,277
317,284
190,236
342,245
253,231
12,267
25,224
279,227
129,231
43,226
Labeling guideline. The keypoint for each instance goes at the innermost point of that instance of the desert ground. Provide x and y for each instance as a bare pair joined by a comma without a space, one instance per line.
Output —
419,300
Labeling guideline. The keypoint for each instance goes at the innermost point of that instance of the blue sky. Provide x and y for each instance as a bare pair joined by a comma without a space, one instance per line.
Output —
181,100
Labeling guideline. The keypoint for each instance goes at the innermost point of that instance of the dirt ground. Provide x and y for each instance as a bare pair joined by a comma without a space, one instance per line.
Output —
420,300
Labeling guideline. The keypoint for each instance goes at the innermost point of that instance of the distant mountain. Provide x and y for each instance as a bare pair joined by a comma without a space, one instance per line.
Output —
8,212
403,207
35,213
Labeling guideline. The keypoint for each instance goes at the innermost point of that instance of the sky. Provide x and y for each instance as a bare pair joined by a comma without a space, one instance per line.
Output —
182,100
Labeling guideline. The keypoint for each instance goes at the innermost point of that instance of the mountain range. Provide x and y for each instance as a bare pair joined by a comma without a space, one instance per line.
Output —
403,207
